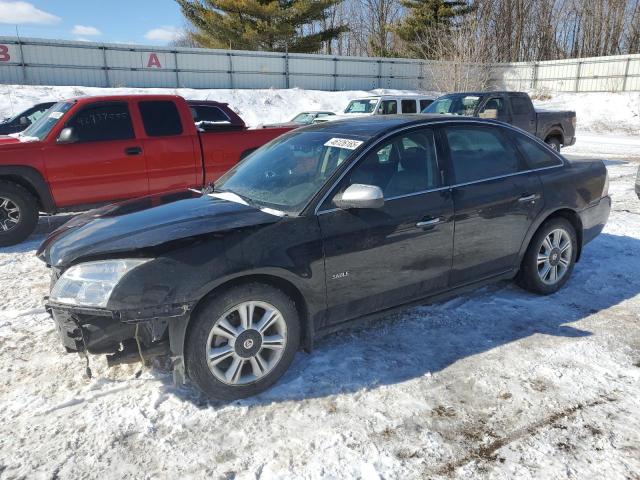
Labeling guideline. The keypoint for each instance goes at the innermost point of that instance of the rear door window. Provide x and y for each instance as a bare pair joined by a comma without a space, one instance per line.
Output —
388,107
535,154
409,106
480,152
103,122
425,103
160,118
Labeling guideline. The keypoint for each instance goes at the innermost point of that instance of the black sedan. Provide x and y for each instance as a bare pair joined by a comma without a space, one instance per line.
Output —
22,120
322,227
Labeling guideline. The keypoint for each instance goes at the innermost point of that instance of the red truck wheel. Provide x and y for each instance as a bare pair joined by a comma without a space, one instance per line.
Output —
18,213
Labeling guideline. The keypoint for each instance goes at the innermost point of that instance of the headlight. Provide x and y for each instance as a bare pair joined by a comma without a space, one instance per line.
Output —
90,284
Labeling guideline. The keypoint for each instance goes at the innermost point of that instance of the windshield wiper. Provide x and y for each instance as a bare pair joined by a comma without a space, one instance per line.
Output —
246,199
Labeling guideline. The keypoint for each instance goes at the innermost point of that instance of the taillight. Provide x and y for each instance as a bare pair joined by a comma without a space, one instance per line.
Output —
574,120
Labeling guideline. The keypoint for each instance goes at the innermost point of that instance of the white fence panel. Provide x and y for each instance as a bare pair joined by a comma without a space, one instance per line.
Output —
58,62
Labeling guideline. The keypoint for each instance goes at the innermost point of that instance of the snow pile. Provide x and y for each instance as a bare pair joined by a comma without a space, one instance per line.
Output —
597,112
256,107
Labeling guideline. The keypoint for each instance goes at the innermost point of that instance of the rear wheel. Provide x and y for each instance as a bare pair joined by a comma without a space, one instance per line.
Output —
18,214
550,258
242,341
554,142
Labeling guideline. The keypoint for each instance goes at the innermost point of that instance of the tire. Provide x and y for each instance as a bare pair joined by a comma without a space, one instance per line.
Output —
532,274
248,348
554,142
16,203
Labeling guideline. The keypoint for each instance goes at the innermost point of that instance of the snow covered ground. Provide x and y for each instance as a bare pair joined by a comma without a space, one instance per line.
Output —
498,384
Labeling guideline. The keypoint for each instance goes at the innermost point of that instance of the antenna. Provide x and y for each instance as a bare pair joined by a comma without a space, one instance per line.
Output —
11,101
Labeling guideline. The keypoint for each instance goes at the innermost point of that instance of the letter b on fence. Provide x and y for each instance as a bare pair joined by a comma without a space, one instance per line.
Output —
4,53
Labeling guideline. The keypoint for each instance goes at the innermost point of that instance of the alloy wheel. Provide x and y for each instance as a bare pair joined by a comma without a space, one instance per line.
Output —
246,343
554,256
9,214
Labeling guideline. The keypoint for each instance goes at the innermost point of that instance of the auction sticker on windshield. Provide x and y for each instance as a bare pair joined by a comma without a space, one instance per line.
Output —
343,143
56,115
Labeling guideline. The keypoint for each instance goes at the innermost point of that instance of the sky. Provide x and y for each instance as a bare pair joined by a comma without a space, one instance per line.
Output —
151,22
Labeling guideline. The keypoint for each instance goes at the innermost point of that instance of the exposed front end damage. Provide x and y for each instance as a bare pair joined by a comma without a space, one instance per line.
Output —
126,336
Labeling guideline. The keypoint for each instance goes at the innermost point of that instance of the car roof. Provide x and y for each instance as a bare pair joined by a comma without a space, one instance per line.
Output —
115,98
407,96
488,92
375,125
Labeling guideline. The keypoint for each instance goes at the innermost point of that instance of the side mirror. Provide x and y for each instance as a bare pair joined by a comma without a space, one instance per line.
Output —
67,135
489,113
24,121
360,196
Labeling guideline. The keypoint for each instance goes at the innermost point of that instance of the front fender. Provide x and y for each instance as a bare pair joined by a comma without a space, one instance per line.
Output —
33,180
288,252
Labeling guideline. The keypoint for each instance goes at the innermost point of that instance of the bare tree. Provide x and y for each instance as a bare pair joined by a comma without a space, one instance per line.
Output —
464,57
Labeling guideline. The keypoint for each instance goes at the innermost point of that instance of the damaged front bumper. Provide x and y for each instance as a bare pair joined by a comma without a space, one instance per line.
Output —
125,336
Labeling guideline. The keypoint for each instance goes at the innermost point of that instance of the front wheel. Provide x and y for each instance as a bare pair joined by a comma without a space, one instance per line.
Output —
550,258
242,341
18,214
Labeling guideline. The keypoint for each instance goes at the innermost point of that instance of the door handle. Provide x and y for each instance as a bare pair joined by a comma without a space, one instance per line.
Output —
528,198
429,223
133,151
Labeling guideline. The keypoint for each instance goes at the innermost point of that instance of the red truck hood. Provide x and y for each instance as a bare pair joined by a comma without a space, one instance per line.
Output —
5,140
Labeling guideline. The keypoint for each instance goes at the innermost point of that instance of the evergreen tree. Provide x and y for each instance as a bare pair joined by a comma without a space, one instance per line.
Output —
272,25
423,18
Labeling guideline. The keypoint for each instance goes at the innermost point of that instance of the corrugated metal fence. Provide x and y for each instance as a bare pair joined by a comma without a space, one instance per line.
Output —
619,73
54,62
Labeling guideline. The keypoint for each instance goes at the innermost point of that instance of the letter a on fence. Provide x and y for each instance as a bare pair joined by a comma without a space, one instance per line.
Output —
154,61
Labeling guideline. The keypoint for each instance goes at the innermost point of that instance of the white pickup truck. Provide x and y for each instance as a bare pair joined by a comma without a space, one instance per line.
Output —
381,105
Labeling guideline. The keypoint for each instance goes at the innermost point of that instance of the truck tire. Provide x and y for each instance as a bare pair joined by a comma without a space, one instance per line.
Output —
18,213
242,341
554,142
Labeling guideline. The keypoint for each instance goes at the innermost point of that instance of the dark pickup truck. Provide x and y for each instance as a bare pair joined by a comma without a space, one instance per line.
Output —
557,128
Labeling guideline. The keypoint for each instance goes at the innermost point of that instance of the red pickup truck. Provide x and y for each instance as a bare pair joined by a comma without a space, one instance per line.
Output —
94,150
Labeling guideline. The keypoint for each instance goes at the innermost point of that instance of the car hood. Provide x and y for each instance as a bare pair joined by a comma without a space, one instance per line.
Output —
145,223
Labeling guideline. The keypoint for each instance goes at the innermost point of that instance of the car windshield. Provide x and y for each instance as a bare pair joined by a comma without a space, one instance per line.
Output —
304,118
41,127
454,104
287,172
366,105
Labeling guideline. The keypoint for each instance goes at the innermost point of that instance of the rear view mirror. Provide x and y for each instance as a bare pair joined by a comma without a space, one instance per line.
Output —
67,135
24,121
489,113
360,196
